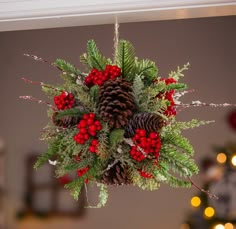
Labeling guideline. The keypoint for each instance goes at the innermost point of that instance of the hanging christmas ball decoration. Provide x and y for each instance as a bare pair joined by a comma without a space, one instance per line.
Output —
116,124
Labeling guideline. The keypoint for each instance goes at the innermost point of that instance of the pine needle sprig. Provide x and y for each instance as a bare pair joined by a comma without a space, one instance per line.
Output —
125,59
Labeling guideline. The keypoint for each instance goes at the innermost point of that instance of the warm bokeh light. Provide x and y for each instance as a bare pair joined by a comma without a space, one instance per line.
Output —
195,201
229,226
184,226
219,226
209,212
233,160
221,158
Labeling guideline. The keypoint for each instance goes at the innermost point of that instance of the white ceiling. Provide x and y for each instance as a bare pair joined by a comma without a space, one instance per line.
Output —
37,14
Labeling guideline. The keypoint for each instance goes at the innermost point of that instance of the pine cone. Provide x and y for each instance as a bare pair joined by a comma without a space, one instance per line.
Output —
148,121
116,175
66,121
116,102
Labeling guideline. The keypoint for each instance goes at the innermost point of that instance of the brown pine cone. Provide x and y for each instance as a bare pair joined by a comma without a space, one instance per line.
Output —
66,121
116,102
150,122
116,175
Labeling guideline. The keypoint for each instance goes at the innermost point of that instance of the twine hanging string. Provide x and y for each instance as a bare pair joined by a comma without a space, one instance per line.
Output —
116,39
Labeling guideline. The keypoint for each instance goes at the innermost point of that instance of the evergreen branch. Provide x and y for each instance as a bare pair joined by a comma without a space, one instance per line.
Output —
94,91
178,160
147,70
178,141
67,67
43,158
179,72
103,196
94,59
126,59
189,125
73,112
176,86
144,183
174,181
75,187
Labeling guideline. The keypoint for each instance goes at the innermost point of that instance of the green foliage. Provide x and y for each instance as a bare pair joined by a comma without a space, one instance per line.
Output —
147,70
66,67
50,90
103,196
188,125
93,58
73,112
174,181
176,86
178,161
94,92
116,136
75,186
125,59
144,183
178,141
43,158
179,72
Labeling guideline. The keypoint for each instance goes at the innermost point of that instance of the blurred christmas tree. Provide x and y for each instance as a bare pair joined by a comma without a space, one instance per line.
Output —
219,178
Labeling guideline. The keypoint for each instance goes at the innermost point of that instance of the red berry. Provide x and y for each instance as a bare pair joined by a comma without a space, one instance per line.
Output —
82,123
142,133
86,137
90,121
92,128
97,123
92,149
83,130
92,115
153,135
85,116
94,142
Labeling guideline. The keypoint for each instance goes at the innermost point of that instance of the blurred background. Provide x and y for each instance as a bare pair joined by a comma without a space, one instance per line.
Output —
207,43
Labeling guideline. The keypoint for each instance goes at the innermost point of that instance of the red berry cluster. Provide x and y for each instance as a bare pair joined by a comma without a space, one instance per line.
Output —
150,145
94,146
64,101
96,77
88,127
81,172
170,111
145,174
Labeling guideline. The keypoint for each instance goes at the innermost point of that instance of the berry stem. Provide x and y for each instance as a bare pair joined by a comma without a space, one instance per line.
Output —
29,97
199,103
34,57
202,190
39,83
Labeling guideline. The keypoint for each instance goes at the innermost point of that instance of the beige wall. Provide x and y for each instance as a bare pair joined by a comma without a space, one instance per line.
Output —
208,44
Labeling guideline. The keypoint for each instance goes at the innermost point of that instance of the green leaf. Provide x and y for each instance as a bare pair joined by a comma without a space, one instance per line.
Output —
94,59
116,136
73,112
125,59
